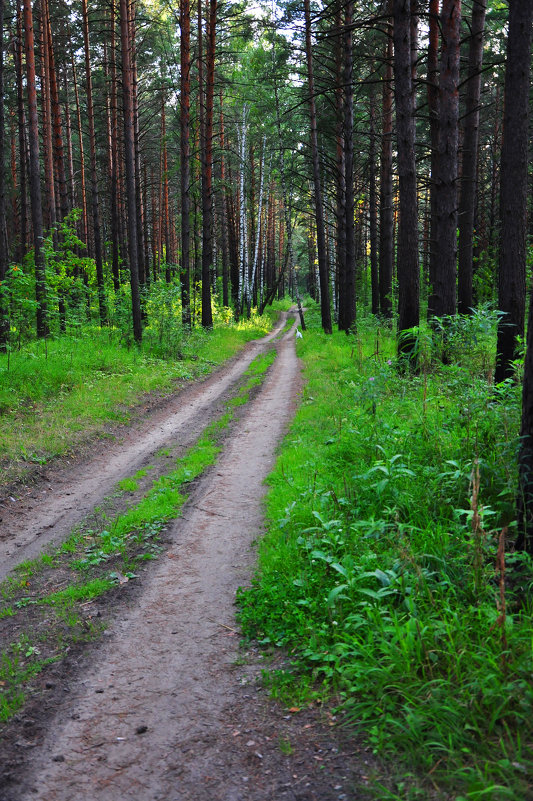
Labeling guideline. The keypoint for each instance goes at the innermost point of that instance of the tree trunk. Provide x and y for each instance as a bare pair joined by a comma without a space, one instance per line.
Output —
255,262
445,278
467,200
164,170
46,106
386,197
372,209
71,191
23,208
407,257
57,129
347,290
319,208
207,168
85,222
340,199
513,188
185,101
129,157
433,109
97,236
35,178
137,150
223,213
4,324
243,222
113,155
513,236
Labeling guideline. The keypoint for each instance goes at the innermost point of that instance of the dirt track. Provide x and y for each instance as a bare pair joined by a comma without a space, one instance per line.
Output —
164,711
46,513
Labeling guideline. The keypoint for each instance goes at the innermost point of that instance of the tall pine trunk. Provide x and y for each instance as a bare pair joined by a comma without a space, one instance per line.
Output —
347,289
513,188
445,276
4,325
129,158
372,209
97,234
513,200
467,200
319,207
207,167
386,198
407,256
35,177
433,109
21,121
185,151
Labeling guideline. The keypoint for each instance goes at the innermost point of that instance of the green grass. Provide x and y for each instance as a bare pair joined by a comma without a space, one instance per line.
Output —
57,393
373,578
128,485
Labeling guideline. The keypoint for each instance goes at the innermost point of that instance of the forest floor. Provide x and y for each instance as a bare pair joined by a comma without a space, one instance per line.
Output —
169,704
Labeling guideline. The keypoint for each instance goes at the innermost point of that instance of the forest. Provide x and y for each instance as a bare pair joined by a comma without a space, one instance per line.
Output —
180,182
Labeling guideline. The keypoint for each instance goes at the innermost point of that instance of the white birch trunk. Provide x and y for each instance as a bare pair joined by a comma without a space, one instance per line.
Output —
243,227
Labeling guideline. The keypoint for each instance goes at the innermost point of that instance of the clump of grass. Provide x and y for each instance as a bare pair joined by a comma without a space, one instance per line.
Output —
128,485
373,577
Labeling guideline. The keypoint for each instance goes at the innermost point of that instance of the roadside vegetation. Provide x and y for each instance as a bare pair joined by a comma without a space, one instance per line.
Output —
385,575
64,599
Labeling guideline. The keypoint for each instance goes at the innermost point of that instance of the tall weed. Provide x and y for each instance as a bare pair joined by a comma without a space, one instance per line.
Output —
378,573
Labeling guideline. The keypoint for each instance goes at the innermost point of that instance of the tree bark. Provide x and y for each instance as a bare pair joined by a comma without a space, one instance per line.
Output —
514,191
207,167
347,291
84,219
141,269
445,278
35,178
340,193
513,188
407,256
467,200
223,212
21,120
57,128
4,256
165,221
386,197
185,101
372,209
50,216
319,208
97,235
113,154
129,158
433,109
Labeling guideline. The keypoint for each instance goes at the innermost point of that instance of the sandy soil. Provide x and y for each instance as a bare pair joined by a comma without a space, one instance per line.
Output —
168,708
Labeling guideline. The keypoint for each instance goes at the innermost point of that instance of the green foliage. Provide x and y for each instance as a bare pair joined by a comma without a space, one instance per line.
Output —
375,575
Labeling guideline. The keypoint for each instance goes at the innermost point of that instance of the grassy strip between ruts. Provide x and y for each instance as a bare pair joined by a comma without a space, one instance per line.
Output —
57,393
50,601
382,574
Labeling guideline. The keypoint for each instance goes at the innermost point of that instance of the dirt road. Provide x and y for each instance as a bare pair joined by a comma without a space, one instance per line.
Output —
167,709
46,513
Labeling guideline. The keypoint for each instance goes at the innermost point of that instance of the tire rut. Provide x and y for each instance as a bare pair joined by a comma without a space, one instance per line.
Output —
153,717
46,514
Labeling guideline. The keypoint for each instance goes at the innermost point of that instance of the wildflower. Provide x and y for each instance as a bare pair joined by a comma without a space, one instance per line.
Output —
389,362
372,378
